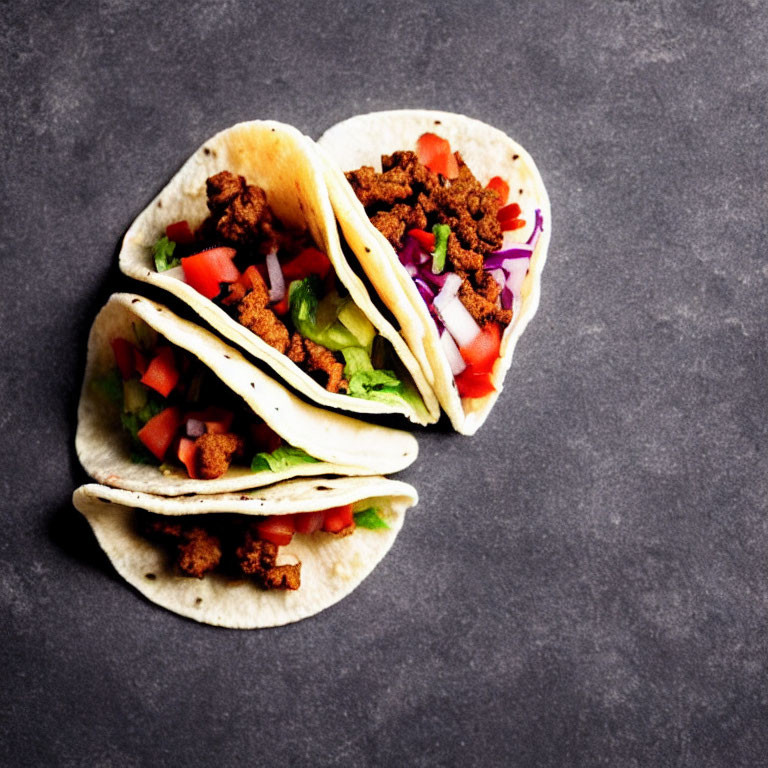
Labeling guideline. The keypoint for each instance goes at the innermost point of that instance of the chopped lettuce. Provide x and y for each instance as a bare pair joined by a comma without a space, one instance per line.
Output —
316,320
163,250
375,385
110,387
441,232
356,359
281,458
303,297
370,518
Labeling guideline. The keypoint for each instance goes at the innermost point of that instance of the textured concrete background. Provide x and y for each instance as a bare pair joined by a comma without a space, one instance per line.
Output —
583,583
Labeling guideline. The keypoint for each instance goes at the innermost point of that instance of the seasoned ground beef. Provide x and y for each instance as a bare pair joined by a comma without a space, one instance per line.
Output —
321,359
263,322
407,195
240,210
213,453
197,551
256,557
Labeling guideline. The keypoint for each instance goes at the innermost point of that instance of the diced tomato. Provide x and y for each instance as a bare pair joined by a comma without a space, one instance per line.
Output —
187,454
308,522
217,420
158,433
425,239
180,232
435,153
123,351
508,217
276,528
162,374
511,211
500,187
474,385
483,352
309,262
337,519
139,361
205,271
266,439
282,306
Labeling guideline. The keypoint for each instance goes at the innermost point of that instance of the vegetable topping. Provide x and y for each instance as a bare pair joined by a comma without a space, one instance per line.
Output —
472,288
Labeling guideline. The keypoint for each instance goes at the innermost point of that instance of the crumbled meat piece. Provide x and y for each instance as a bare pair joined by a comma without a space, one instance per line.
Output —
470,211
480,308
197,550
421,178
348,531
487,286
393,224
222,189
253,314
213,453
374,188
321,359
240,210
199,553
461,259
296,351
256,557
282,577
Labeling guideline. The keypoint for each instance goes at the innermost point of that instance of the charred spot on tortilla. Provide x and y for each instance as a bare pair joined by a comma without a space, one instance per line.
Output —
438,122
135,301
514,157
101,498
198,600
367,249
159,203
206,151
150,576
227,357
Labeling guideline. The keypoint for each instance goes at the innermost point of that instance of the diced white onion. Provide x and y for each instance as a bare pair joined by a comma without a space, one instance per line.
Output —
455,360
458,322
177,273
276,279
448,291
412,270
499,277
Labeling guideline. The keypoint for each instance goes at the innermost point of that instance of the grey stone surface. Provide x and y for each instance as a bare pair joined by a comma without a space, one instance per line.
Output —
585,582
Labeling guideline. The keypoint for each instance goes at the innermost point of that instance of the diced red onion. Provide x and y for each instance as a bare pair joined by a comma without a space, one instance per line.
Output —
276,279
448,291
538,228
426,292
498,258
458,322
499,276
195,428
455,360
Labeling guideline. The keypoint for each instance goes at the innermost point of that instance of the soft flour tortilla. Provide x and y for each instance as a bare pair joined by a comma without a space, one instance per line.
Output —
345,446
488,152
286,165
331,567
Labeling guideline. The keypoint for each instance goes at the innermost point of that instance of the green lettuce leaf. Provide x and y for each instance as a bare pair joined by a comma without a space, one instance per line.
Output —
369,518
110,387
441,232
163,250
281,458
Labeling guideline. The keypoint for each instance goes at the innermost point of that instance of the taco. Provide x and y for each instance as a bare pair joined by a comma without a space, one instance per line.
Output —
245,234
450,221
166,407
274,556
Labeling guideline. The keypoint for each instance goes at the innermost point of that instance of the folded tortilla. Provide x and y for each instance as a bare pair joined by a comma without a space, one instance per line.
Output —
331,566
284,163
343,445
362,140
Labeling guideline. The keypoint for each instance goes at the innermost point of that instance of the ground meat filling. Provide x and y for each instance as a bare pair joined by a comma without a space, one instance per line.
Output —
241,215
214,453
407,195
237,551
239,210
197,551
